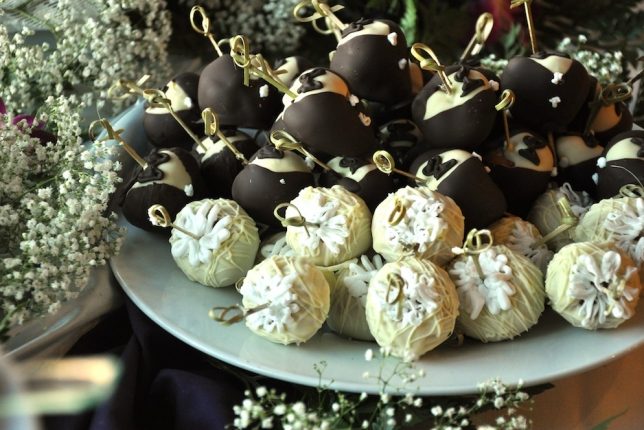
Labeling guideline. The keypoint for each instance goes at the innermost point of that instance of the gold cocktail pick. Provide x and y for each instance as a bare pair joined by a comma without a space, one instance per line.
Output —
284,141
155,98
476,242
505,103
255,65
116,135
482,31
384,161
320,11
159,216
528,13
211,128
203,27
429,61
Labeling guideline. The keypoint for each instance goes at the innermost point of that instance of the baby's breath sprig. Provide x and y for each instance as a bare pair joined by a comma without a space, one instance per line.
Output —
54,225
331,409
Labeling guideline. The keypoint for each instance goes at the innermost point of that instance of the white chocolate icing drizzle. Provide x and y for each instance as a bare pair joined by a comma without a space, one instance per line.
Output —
205,224
600,289
279,247
493,290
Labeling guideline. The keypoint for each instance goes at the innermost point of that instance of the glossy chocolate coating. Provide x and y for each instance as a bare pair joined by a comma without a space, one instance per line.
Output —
359,177
534,89
259,190
463,126
162,130
629,169
579,173
135,201
220,168
324,120
469,185
221,87
369,57
403,140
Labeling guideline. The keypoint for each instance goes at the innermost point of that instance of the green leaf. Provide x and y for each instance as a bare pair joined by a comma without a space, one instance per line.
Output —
409,22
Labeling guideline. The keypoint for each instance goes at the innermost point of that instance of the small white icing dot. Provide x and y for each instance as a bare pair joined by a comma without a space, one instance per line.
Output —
354,100
263,91
558,78
601,162
595,178
402,63
494,84
393,38
282,181
555,101
189,190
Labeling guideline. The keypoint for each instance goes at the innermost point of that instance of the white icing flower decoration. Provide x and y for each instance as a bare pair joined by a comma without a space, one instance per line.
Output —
626,227
274,291
206,225
598,288
601,162
189,190
402,63
422,223
522,241
263,91
493,290
360,274
557,78
331,228
580,202
417,298
554,101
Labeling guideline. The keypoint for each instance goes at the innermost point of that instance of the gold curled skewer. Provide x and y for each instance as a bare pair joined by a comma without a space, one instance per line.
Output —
159,216
128,87
429,61
255,65
284,141
320,11
483,29
116,135
528,14
398,212
296,221
384,161
211,128
395,285
568,221
476,242
505,103
632,190
204,28
238,313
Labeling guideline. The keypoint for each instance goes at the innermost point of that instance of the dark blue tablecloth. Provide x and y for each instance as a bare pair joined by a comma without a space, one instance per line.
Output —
165,384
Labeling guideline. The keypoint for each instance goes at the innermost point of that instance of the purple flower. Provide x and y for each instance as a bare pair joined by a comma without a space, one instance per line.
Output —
36,130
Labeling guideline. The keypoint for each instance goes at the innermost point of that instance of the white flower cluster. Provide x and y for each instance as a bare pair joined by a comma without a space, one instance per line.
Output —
53,205
268,24
328,409
96,42
605,66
